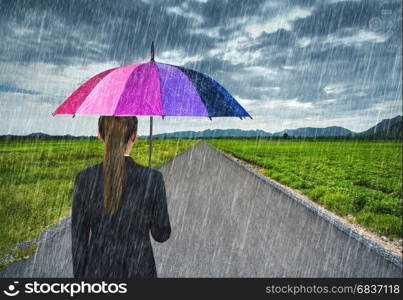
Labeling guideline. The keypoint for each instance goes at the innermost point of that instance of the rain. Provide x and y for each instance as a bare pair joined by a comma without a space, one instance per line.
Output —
280,150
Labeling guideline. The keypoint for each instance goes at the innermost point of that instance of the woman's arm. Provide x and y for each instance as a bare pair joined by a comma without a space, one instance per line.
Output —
80,230
160,225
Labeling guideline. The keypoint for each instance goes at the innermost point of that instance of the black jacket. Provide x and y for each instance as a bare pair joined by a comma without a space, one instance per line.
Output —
118,245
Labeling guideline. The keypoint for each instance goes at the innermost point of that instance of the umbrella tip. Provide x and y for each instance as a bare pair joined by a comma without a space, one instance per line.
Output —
152,51
53,114
74,115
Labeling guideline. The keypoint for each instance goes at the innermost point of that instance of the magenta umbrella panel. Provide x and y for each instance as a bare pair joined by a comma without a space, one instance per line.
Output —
152,89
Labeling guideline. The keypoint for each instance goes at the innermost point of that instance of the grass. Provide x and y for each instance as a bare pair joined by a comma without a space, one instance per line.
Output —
358,178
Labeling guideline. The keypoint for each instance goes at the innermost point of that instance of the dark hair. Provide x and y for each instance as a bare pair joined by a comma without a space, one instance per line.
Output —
115,131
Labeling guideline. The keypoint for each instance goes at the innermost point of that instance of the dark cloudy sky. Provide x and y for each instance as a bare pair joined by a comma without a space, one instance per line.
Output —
290,63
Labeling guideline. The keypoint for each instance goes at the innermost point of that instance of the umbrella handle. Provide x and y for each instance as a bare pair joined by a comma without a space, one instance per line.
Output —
150,141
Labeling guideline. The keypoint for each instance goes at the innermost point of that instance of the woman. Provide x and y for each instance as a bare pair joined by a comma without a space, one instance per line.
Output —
116,203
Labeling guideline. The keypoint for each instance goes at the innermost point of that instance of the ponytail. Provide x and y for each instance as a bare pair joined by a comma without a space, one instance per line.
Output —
115,132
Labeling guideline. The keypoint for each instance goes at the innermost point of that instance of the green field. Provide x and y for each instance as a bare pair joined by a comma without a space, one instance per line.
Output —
361,179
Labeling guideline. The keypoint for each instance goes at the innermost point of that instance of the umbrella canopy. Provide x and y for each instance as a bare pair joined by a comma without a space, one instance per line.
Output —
152,89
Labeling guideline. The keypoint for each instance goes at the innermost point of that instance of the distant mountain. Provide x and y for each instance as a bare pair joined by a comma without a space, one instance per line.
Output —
38,135
312,131
213,133
44,136
303,132
387,128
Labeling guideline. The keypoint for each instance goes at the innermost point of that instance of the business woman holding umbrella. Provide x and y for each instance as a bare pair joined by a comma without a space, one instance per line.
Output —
144,89
116,204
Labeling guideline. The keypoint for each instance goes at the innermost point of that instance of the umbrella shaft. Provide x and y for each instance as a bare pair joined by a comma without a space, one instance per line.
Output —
150,141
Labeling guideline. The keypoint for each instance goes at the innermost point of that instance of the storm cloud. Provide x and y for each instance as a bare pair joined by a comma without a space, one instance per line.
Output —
289,63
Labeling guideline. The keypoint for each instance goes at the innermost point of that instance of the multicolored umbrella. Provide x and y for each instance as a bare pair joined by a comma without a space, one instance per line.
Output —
152,89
